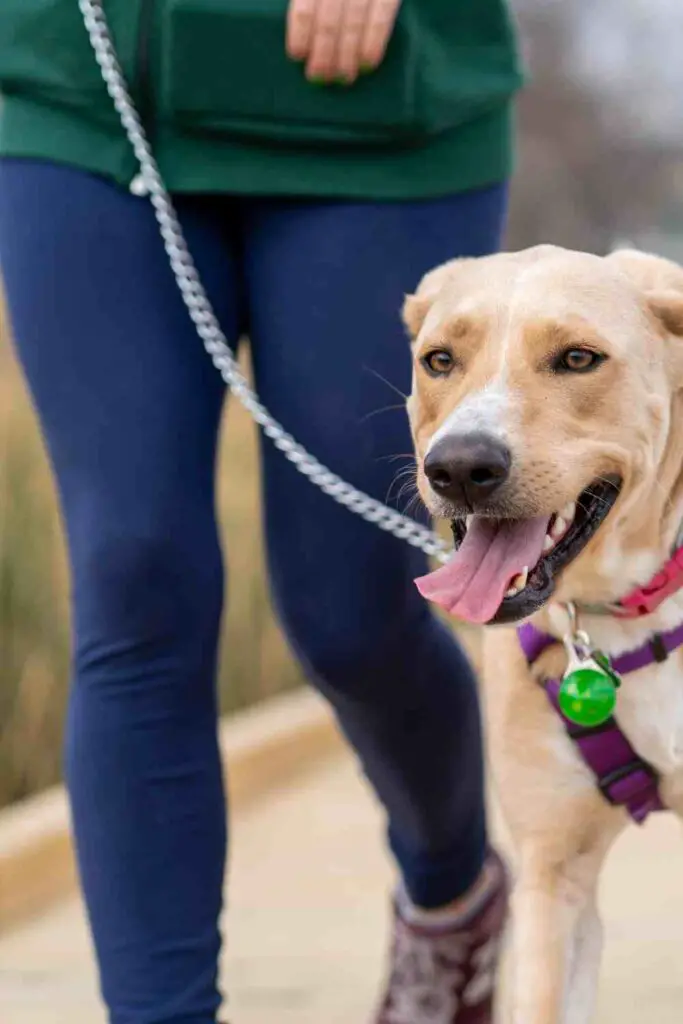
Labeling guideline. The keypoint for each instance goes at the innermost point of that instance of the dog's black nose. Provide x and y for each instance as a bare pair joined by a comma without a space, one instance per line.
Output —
467,466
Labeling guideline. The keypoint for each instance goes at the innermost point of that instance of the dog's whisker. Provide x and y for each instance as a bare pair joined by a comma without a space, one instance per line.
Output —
410,468
378,412
407,475
375,373
403,499
595,497
414,503
608,482
407,486
395,458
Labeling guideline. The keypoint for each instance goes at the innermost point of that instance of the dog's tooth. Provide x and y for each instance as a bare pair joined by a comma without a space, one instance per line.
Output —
568,512
548,544
518,582
558,528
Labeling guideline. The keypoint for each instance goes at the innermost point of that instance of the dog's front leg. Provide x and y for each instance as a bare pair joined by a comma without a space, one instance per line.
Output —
543,930
556,941
582,990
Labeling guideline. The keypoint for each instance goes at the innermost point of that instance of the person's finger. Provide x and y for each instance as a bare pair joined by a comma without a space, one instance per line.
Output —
300,23
351,38
378,28
322,58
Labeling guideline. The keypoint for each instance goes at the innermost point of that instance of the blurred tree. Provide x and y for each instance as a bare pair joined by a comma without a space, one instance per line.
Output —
588,175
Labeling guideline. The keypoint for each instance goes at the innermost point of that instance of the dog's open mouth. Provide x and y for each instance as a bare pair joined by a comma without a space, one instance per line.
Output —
503,570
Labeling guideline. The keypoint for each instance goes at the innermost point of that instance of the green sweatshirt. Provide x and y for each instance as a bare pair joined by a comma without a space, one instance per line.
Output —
227,111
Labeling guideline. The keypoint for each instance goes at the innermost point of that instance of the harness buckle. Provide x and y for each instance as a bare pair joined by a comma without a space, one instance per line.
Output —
605,782
660,651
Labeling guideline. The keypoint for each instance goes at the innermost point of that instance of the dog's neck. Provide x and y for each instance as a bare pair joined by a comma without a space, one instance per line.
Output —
608,632
642,596
630,559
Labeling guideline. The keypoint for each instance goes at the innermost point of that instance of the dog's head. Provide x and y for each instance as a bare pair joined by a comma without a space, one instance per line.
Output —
544,413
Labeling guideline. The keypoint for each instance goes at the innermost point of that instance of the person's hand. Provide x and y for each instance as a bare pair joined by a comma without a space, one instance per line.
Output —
339,39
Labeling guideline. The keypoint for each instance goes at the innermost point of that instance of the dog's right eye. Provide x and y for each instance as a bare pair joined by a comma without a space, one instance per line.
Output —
438,363
578,360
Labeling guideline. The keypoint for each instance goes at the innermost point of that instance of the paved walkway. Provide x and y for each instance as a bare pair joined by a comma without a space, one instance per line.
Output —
308,907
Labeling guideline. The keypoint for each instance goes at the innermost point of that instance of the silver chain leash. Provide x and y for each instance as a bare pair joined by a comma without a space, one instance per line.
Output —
205,320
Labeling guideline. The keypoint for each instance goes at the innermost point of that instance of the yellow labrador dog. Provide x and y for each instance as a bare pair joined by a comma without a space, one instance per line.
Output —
547,414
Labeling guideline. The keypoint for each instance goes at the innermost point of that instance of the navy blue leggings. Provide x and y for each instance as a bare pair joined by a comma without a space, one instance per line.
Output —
130,407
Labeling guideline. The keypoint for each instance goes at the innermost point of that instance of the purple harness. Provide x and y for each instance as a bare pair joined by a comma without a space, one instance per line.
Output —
623,778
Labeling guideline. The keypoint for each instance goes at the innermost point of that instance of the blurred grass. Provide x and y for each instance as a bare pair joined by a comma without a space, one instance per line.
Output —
34,626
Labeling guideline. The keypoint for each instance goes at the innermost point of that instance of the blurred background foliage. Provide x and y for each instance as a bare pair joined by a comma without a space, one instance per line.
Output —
600,161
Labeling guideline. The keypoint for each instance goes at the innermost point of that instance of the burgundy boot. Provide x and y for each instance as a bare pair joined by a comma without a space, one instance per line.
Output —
446,974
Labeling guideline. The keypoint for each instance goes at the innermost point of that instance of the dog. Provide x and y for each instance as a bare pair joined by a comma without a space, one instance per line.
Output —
547,416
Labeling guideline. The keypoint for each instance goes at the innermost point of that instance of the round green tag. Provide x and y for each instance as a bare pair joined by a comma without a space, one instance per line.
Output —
587,696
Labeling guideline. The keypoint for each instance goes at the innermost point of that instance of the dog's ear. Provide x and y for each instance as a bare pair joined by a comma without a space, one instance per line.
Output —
667,307
661,282
416,306
649,273
415,309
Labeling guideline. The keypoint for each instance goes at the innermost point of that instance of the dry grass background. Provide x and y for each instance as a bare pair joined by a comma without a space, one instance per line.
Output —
34,627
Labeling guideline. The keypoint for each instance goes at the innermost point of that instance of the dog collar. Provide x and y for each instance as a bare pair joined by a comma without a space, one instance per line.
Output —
646,599
623,777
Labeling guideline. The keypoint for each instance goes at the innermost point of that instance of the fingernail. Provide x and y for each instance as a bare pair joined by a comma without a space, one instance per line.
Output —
342,80
366,69
317,80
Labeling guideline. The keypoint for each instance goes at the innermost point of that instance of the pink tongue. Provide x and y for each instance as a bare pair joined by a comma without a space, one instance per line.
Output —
472,585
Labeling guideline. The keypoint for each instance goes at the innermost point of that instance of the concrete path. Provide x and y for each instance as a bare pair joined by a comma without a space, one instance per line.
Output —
308,912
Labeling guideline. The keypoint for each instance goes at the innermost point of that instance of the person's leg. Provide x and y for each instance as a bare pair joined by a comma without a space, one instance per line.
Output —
325,284
130,407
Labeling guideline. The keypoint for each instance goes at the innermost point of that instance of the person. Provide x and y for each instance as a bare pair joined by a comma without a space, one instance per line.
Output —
322,157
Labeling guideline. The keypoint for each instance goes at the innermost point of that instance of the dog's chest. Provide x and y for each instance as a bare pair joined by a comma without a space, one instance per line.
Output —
650,712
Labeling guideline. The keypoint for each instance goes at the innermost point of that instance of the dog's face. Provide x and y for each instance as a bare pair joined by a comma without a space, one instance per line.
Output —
541,410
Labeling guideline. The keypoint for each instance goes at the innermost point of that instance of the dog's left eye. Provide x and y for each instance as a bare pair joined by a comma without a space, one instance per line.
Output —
438,362
578,360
